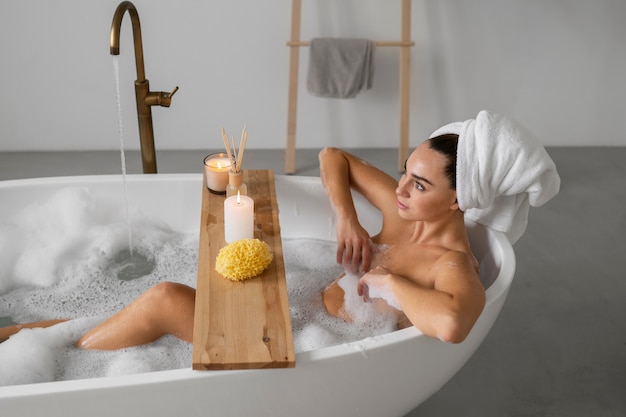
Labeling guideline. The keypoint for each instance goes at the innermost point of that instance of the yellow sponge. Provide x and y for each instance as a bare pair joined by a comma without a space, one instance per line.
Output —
243,259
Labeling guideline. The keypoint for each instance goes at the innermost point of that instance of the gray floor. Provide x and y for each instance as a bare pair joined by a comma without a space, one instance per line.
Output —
559,346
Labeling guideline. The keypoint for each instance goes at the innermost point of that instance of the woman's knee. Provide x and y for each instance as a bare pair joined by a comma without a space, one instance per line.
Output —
333,297
166,292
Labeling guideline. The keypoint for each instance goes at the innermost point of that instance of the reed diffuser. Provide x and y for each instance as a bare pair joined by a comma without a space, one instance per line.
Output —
235,178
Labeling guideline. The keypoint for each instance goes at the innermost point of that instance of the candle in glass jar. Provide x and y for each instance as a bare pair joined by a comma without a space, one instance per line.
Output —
238,218
216,168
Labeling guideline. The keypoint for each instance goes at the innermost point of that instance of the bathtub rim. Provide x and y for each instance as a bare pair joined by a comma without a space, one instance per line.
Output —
495,294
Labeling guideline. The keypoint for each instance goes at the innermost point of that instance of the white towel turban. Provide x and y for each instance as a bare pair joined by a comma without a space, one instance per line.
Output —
502,169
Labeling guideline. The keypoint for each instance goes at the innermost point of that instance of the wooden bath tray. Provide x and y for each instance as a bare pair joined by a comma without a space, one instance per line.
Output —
242,325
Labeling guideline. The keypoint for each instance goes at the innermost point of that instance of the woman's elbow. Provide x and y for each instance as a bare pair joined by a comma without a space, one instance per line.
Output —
455,327
452,334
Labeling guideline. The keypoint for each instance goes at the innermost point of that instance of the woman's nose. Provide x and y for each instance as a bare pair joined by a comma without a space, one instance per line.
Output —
401,188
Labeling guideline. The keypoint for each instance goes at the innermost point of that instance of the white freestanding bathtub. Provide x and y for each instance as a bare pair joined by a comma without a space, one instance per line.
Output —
387,375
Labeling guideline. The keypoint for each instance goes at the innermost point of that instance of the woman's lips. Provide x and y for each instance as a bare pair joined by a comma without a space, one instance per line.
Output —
401,206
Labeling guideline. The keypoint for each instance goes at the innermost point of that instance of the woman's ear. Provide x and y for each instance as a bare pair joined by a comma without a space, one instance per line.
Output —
455,205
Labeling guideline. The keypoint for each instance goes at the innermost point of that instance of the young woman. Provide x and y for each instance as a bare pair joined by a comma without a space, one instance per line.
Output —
425,271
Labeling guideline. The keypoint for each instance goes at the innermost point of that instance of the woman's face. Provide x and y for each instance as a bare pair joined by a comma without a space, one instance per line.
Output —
424,191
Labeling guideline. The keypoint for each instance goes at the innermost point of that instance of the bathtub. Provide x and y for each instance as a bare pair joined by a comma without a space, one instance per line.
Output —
387,375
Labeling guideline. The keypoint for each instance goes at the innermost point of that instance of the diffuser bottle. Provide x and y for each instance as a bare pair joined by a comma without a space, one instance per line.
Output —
235,184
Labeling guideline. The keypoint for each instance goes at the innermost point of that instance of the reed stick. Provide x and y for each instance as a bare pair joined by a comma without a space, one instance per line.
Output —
235,155
227,146
234,148
242,146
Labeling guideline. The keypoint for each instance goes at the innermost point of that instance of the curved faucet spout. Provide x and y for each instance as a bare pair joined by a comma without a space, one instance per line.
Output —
115,35
144,97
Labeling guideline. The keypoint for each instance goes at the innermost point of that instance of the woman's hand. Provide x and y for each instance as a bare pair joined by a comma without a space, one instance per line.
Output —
354,247
375,284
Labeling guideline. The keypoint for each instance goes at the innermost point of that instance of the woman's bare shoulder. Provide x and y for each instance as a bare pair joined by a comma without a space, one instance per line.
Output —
457,262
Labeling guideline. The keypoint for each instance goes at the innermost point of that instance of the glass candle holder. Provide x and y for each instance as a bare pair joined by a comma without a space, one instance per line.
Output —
216,169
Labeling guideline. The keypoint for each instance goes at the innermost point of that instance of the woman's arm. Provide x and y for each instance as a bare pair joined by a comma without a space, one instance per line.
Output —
340,172
448,311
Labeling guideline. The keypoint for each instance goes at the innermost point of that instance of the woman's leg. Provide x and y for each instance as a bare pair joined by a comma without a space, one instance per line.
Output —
166,308
6,332
333,300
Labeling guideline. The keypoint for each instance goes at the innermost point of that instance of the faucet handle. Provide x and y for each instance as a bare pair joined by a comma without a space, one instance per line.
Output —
170,95
166,98
160,98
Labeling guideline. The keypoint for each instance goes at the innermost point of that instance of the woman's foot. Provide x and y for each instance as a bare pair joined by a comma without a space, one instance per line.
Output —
6,332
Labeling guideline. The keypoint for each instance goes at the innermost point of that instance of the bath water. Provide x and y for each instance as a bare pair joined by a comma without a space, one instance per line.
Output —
136,265
58,261
120,127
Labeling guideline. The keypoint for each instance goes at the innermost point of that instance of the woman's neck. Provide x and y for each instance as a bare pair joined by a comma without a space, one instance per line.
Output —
447,231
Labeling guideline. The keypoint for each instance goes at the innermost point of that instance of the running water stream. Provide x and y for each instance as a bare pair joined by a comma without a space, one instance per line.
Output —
120,129
134,265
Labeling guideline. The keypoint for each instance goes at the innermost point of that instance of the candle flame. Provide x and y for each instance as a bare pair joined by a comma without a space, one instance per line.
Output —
219,165
238,197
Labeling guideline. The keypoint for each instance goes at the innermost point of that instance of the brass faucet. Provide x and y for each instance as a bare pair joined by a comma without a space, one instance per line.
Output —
145,98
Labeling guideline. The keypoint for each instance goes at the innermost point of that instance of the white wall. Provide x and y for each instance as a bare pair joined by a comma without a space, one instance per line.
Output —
556,65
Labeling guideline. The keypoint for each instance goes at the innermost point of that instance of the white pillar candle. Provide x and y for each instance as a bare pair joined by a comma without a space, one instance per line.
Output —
238,218
216,168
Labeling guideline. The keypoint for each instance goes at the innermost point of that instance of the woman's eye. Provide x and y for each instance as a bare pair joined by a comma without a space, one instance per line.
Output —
419,186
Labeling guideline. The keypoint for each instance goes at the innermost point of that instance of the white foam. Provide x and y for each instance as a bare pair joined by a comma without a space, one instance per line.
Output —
62,251
311,266
386,294
363,313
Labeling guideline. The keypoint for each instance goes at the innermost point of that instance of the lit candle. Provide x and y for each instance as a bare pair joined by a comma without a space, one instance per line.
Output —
216,168
238,218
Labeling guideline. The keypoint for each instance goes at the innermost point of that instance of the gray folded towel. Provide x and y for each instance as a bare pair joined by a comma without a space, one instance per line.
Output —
340,67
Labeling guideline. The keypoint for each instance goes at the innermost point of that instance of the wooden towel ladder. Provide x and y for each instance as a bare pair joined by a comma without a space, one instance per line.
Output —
295,43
